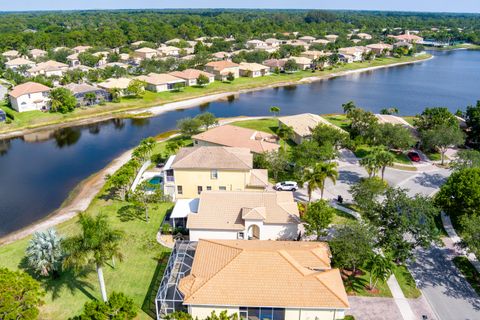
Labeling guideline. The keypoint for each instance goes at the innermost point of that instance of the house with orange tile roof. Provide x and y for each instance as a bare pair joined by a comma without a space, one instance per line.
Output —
410,38
193,170
233,136
221,69
18,63
191,75
266,215
276,280
29,96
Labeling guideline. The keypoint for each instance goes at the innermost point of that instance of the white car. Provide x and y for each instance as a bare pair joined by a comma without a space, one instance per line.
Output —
286,186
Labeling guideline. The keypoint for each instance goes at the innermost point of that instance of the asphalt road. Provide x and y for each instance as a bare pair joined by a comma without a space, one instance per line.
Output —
449,294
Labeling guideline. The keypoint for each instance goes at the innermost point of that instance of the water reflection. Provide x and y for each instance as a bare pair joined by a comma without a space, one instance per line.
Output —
4,146
140,122
204,106
118,124
94,128
67,137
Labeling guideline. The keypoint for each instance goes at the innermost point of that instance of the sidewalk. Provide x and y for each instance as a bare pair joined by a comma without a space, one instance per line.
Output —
456,240
400,300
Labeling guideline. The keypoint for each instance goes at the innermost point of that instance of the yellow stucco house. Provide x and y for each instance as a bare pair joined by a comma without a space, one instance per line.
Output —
193,170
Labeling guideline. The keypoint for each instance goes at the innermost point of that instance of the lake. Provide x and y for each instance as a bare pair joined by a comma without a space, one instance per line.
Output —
38,171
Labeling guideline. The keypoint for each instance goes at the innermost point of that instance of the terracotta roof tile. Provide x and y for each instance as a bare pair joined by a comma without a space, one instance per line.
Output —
27,88
213,158
233,136
223,210
247,273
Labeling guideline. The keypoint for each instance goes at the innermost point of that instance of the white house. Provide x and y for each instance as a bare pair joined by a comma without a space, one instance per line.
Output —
191,75
38,53
169,51
17,63
159,82
266,215
29,96
48,69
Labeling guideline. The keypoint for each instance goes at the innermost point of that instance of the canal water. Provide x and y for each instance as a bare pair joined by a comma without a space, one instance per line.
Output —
38,171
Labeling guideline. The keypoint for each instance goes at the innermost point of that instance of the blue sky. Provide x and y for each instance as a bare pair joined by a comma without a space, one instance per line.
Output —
403,5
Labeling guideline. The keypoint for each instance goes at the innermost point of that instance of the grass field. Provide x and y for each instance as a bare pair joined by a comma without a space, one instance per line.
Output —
340,120
34,119
406,282
137,276
342,217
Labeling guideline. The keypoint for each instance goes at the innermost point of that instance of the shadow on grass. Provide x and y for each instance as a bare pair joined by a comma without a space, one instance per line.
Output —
130,212
67,279
148,305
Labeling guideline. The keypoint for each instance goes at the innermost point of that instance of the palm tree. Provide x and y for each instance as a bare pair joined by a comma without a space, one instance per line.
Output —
285,133
380,267
275,110
315,177
348,106
96,244
384,159
90,97
44,252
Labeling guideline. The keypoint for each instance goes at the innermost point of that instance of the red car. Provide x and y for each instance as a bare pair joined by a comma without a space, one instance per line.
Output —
414,156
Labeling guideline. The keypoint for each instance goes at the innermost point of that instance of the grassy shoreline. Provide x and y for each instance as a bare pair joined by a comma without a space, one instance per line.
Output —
35,119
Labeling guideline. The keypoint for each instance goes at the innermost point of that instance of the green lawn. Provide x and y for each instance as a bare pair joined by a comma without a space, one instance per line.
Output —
409,119
269,125
469,272
34,119
137,275
406,282
340,120
342,217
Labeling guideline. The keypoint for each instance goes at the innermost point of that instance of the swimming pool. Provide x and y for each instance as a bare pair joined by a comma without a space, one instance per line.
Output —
156,180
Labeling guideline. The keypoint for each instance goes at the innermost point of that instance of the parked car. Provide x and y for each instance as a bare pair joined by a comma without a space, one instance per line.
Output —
412,155
286,186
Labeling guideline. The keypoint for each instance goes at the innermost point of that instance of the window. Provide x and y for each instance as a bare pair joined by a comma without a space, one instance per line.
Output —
199,189
179,189
255,313
222,188
240,235
214,174
209,188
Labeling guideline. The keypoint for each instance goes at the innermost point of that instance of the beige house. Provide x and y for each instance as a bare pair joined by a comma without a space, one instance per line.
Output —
159,82
73,60
312,54
331,37
221,55
364,36
357,52
233,136
303,124
307,39
168,51
10,54
145,53
80,49
253,70
221,69
322,42
272,42
275,64
302,62
17,63
279,280
380,48
244,215
48,69
29,96
114,83
196,169
37,53
256,44
191,75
